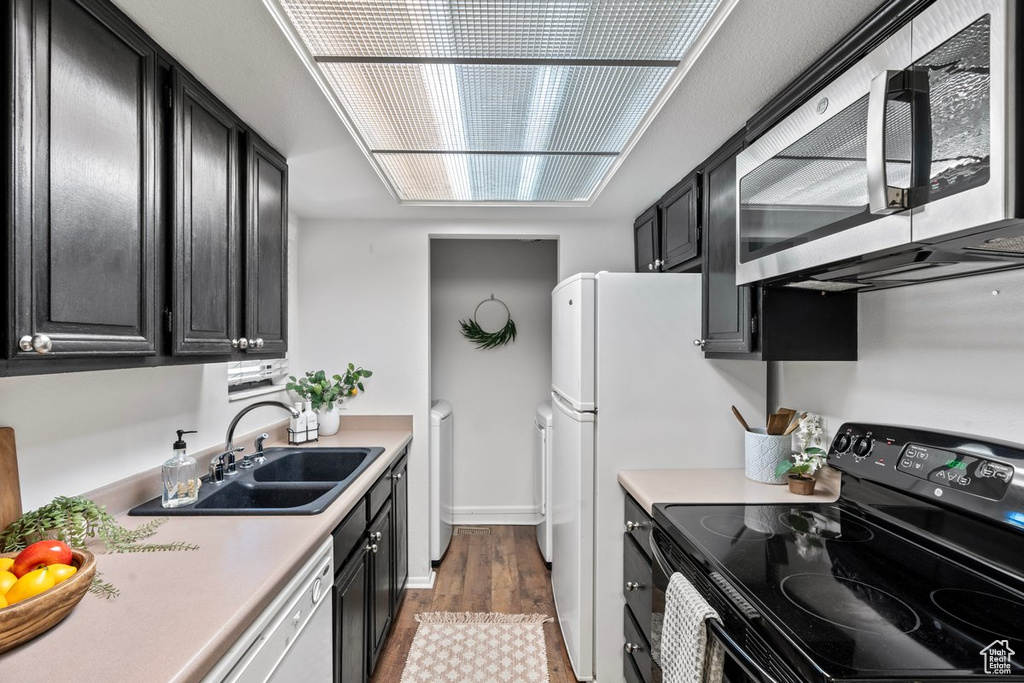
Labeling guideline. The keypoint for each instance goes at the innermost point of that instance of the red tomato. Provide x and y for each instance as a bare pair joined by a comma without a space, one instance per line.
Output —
41,554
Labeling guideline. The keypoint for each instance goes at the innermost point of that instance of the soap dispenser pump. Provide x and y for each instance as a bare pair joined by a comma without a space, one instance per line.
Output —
180,476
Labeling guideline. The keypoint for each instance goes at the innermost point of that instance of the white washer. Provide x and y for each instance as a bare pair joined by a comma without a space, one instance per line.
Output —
542,481
441,478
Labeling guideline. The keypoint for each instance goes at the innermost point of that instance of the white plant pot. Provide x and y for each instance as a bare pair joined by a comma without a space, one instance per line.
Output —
329,420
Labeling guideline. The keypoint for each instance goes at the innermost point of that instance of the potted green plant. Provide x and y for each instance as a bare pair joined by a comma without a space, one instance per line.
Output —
325,393
800,470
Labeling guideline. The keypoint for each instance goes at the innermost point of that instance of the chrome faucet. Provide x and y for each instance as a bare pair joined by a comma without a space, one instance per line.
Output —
230,437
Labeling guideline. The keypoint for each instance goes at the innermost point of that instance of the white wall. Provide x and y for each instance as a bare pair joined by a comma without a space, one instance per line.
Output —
365,299
78,431
494,392
945,355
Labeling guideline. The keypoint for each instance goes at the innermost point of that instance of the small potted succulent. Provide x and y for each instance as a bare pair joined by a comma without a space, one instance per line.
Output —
326,393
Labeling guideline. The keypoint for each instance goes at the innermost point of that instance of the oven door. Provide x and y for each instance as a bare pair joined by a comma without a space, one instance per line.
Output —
667,558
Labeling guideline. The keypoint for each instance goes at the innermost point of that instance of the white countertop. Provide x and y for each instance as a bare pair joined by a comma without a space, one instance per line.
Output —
179,612
718,486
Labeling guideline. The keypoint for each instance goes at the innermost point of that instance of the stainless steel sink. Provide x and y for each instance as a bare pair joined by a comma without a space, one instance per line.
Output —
292,481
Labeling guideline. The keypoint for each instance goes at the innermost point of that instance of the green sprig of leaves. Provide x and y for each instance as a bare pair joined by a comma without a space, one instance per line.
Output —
472,331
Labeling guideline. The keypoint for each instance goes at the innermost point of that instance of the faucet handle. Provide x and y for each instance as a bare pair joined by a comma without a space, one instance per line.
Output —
229,468
258,456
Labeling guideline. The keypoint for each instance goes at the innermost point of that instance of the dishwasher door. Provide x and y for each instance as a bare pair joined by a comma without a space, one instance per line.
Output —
296,642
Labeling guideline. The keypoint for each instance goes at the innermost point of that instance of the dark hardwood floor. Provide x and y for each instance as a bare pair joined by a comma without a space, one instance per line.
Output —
500,572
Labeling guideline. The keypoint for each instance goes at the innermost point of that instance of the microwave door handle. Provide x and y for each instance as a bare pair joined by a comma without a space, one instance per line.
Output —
882,198
754,670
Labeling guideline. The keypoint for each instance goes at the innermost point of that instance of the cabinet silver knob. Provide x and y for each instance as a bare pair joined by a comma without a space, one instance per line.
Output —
397,476
700,343
257,342
658,263
377,536
372,548
630,648
39,343
650,266
632,586
240,343
634,526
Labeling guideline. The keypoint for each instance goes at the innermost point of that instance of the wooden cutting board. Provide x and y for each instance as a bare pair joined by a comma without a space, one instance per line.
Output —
10,485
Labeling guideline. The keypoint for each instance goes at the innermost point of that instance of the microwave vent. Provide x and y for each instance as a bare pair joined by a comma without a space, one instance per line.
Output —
820,286
1002,245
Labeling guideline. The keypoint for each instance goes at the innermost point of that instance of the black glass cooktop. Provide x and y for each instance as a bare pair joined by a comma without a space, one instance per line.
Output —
860,599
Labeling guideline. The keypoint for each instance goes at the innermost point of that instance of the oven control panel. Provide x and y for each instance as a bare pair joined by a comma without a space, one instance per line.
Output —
935,464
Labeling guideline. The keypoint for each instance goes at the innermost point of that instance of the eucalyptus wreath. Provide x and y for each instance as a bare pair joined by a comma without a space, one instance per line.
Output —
483,339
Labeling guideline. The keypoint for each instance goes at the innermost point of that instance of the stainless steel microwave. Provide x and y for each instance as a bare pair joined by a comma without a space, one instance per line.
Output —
904,169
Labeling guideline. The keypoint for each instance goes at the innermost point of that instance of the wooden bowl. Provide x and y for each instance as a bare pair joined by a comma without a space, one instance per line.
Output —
25,620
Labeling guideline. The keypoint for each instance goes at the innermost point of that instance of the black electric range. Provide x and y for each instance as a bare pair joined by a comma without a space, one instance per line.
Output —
916,573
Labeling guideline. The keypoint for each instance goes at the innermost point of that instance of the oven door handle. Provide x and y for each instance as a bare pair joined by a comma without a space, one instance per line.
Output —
742,659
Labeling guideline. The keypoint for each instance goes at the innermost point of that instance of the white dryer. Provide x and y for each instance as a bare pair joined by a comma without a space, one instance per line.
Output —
441,478
542,481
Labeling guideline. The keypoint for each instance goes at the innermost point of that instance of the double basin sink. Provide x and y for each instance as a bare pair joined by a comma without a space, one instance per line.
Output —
292,481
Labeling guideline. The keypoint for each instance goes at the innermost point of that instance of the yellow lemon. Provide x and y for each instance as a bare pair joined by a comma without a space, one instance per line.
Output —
32,584
6,563
354,391
62,572
7,580
3,602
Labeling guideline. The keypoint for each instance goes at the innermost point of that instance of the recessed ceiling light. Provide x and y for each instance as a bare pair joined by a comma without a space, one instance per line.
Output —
491,101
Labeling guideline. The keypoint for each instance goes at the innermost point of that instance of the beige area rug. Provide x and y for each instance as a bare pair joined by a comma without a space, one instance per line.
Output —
457,647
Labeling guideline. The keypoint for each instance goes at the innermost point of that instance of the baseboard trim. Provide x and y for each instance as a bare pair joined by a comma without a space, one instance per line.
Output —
524,515
418,582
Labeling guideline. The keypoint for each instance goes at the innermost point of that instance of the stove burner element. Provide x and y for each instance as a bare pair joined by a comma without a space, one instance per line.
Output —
828,526
849,604
733,527
991,613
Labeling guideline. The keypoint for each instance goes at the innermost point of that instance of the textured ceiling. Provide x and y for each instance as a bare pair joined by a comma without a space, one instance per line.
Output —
237,50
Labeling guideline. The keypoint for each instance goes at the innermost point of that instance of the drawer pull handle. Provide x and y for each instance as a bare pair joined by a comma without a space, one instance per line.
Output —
632,586
630,648
634,526
372,548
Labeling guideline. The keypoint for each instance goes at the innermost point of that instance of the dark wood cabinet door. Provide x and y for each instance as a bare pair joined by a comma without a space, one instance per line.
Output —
380,582
83,178
679,211
207,288
728,317
350,619
266,282
645,241
400,500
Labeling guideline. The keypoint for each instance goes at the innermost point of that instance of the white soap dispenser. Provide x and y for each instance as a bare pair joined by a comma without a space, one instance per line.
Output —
180,476
297,425
312,424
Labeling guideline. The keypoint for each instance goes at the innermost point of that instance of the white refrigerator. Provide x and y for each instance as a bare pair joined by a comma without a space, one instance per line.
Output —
629,391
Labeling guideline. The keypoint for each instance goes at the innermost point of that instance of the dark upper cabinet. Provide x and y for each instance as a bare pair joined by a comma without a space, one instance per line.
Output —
82,182
207,235
679,212
266,279
645,241
728,324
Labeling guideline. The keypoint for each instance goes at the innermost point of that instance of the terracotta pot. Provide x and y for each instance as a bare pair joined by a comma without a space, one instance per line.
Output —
801,484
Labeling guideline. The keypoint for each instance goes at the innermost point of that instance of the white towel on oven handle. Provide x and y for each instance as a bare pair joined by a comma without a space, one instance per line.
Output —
687,654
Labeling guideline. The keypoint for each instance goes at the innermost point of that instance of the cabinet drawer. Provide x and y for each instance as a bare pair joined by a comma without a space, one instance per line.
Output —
636,515
636,569
349,534
637,644
630,672
378,495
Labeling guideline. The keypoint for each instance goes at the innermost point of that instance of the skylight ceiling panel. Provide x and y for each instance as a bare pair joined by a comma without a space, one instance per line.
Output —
494,177
445,107
499,29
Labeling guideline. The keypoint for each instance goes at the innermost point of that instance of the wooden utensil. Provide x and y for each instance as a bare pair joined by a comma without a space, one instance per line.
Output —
788,412
794,424
740,418
777,424
10,485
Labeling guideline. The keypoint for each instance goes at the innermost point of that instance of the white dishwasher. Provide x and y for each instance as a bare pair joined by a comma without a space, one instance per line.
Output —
292,639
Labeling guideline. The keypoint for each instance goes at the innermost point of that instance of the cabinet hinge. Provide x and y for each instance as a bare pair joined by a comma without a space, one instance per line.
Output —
168,318
753,325
168,97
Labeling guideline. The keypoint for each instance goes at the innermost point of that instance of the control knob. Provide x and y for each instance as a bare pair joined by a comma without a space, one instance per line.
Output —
842,443
862,446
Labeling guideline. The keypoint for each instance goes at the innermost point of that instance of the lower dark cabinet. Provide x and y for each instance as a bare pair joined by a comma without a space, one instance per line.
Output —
400,499
350,618
380,582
